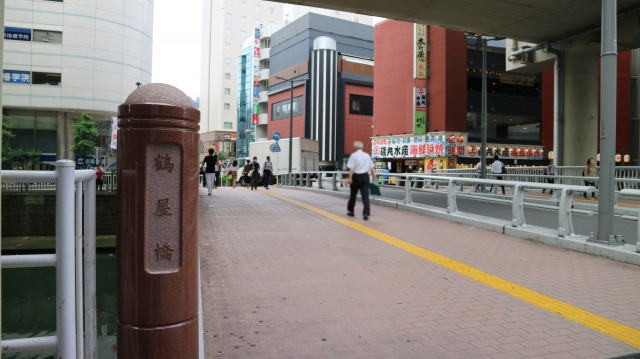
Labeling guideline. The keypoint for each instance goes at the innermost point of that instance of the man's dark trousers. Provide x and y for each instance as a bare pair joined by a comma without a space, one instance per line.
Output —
266,178
360,182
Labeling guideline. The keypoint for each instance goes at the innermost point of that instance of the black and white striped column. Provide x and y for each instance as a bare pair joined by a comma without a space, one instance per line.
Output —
324,78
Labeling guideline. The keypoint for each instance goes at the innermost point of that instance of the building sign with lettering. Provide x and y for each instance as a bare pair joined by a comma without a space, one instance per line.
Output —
434,144
509,152
420,51
420,111
17,33
21,77
517,80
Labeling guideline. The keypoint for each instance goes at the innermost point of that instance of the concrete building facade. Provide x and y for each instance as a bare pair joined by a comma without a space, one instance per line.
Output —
224,30
62,59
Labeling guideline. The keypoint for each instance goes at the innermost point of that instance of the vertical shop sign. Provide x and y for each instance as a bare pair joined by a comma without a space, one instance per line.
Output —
420,111
420,51
256,69
114,133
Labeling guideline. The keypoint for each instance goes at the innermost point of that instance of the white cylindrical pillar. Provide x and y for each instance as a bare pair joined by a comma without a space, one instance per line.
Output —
324,94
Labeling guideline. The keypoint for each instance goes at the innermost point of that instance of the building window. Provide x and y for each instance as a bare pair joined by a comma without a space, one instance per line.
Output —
227,91
45,78
52,37
228,46
229,16
17,33
227,106
229,2
257,21
257,7
272,10
361,105
228,125
243,34
227,76
227,61
33,130
243,19
271,23
244,4
228,31
282,109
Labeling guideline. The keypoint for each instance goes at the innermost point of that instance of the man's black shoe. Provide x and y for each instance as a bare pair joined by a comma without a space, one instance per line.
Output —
366,218
350,214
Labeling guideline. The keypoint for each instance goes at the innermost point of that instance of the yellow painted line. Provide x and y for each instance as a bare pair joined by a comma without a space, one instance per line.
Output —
603,325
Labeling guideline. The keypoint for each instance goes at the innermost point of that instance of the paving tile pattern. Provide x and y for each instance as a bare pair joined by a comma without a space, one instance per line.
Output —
279,281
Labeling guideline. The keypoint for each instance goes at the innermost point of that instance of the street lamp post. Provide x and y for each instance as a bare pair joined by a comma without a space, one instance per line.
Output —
291,81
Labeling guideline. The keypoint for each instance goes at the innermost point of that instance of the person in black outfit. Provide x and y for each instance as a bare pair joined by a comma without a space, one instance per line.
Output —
255,176
247,179
210,162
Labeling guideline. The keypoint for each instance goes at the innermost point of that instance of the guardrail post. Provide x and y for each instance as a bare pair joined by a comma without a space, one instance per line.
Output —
65,253
517,208
320,179
335,181
565,228
452,205
90,319
309,183
408,199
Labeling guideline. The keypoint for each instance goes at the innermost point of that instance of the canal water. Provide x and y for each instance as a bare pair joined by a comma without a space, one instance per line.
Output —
28,306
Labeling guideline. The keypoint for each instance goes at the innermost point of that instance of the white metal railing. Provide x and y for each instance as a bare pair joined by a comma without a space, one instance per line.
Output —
69,261
110,184
634,193
565,223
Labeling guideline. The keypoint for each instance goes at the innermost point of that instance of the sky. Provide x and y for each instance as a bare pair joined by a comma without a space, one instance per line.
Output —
177,34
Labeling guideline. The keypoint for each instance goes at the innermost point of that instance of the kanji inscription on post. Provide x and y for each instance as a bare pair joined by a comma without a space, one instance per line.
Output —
163,244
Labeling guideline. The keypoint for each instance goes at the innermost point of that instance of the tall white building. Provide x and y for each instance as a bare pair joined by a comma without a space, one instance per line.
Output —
65,58
225,26
293,12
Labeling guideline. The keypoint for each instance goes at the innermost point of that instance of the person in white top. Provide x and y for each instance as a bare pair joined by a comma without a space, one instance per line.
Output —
497,167
233,169
267,170
360,165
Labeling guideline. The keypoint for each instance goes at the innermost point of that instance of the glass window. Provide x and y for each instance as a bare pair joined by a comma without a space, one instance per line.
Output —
228,31
33,130
227,76
244,4
227,106
257,7
243,34
44,78
227,91
229,16
243,19
272,10
228,125
257,21
46,36
361,105
228,46
282,109
227,61
229,2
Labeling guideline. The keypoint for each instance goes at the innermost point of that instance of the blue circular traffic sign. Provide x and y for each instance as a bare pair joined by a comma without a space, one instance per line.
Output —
276,136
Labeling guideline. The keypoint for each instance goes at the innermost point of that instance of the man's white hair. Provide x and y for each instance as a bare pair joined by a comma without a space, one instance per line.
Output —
358,145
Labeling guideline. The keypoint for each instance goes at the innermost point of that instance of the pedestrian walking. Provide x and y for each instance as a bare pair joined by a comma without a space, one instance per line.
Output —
267,170
360,165
255,173
209,163
497,167
233,169
550,171
245,171
204,176
99,177
590,171
217,180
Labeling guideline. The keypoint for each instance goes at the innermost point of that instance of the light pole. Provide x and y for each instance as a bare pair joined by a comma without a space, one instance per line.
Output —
291,81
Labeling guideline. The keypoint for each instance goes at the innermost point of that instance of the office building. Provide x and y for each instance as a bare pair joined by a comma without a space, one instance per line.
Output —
62,59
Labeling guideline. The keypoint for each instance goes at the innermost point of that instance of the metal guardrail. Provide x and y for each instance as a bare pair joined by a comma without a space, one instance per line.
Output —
634,193
565,223
110,184
75,273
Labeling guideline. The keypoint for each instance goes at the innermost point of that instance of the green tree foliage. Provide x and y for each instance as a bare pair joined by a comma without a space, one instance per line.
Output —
84,136
7,135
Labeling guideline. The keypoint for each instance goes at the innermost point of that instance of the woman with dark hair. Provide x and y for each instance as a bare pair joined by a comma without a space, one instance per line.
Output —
590,171
233,169
247,169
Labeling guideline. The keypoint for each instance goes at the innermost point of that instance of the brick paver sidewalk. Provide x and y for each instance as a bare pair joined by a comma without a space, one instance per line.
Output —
280,281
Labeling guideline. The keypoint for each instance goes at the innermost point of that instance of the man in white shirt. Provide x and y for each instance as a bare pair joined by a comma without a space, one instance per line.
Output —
496,168
360,165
